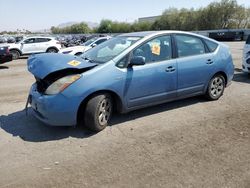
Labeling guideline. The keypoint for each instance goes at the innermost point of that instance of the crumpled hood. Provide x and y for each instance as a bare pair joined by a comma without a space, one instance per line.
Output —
41,65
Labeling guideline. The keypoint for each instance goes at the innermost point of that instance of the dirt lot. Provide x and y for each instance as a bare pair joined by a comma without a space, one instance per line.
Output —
189,143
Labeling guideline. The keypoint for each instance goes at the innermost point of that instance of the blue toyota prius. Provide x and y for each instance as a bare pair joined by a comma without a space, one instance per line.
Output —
127,72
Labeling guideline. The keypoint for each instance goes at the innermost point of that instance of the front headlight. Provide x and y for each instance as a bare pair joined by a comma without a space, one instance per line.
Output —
61,84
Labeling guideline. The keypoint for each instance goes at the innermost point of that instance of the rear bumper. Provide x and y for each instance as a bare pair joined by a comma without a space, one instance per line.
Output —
5,58
54,110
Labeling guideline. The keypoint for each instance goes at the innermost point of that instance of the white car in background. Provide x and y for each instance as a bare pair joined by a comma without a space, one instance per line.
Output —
33,45
78,50
246,57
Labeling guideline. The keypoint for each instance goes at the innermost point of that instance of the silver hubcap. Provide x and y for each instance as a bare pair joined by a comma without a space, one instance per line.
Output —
15,55
217,86
104,111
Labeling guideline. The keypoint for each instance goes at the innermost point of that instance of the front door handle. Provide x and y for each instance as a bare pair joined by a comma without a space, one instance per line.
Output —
209,62
170,69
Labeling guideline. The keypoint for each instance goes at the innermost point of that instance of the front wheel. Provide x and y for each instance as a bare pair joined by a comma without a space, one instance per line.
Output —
216,87
52,50
15,54
98,112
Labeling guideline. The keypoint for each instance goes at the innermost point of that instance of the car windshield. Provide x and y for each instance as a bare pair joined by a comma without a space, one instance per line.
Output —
109,49
87,43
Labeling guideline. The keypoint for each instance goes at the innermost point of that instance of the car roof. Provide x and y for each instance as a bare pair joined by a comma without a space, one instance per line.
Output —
149,33
154,33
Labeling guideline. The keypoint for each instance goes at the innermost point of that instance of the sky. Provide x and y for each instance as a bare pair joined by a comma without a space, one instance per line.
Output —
42,14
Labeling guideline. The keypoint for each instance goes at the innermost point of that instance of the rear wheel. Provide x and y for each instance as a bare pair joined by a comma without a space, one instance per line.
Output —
216,87
52,50
15,54
98,112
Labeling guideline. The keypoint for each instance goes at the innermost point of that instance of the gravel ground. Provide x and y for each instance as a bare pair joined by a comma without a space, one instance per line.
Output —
188,143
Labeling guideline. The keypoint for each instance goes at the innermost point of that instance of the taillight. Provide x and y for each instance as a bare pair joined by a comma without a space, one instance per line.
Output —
7,51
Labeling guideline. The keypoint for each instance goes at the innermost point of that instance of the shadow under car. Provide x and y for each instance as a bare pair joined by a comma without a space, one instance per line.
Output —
28,128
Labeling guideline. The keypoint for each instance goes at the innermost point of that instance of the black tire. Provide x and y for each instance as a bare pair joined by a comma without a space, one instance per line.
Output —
52,50
216,87
78,53
98,112
15,54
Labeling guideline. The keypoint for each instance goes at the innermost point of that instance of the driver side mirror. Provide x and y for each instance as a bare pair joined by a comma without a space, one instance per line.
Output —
137,61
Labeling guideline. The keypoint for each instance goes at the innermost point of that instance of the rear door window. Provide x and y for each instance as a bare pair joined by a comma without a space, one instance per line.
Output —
188,45
42,40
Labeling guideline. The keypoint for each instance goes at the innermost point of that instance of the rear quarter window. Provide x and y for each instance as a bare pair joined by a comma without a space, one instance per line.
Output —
212,46
189,45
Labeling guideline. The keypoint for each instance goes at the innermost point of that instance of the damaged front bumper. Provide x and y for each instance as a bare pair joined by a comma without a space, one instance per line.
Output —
54,110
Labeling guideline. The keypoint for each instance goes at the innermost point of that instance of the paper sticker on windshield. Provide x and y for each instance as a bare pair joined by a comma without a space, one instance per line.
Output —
156,49
74,63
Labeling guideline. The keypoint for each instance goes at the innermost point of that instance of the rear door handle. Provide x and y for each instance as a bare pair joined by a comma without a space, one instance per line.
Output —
209,62
170,69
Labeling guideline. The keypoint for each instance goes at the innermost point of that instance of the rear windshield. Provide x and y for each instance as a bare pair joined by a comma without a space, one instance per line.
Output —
211,45
248,40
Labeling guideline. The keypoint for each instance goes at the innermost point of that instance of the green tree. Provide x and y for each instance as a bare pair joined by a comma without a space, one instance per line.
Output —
105,26
74,29
141,26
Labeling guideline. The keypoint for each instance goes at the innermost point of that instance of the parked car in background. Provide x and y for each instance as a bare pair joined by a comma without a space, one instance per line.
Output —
127,72
246,56
3,40
32,45
11,40
18,38
79,50
5,55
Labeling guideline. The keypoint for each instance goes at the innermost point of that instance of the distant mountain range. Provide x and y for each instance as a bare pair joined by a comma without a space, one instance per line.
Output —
67,24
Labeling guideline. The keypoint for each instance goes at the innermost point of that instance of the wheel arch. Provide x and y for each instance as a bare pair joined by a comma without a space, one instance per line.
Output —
223,74
52,47
217,73
20,52
118,105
